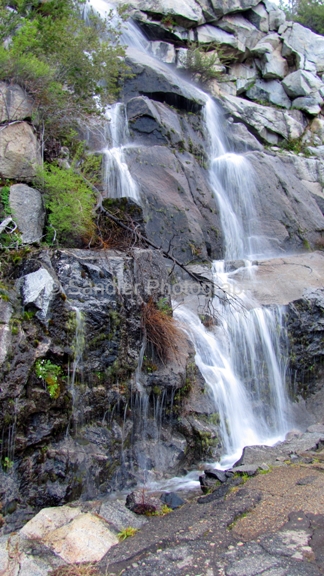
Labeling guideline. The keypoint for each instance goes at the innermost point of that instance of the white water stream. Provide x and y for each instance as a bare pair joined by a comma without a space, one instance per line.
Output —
243,360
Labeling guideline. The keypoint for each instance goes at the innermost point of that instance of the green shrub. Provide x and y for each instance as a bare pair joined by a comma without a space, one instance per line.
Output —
50,373
203,64
69,201
60,60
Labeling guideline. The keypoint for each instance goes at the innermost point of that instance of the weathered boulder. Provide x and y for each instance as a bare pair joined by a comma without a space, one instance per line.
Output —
184,12
15,104
72,535
266,45
305,47
271,91
270,124
164,51
28,211
225,6
244,30
301,83
142,502
209,34
19,152
276,19
307,104
259,17
273,65
38,288
246,75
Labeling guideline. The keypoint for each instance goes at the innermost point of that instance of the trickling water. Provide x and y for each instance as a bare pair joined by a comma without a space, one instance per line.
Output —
117,179
78,349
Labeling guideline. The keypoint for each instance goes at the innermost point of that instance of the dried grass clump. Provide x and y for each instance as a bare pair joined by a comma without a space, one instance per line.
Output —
76,570
161,331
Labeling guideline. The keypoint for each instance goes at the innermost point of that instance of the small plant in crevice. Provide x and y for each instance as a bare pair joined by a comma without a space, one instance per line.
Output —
127,533
7,464
161,331
50,374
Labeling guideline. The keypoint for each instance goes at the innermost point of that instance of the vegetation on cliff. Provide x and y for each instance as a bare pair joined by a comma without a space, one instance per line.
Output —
60,59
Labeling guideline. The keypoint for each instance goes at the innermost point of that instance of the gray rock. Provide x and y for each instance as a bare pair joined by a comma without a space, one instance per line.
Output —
259,17
19,152
289,215
301,83
172,500
152,77
28,211
184,12
248,469
182,57
318,428
15,104
276,19
305,47
208,34
273,65
176,192
246,75
226,6
38,288
266,45
115,512
164,51
242,140
270,124
244,30
271,91
307,104
217,474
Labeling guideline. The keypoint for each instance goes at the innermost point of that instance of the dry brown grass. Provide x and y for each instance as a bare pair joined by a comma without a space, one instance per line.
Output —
161,331
76,570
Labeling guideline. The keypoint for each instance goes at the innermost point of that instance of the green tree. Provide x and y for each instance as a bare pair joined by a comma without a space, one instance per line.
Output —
62,61
310,13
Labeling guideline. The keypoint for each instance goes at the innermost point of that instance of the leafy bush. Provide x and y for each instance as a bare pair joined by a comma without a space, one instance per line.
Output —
60,59
50,373
203,64
70,202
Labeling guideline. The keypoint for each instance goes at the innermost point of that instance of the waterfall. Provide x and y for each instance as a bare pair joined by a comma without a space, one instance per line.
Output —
244,359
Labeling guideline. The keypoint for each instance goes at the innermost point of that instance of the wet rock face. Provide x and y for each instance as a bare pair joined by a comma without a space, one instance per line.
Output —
305,330
84,436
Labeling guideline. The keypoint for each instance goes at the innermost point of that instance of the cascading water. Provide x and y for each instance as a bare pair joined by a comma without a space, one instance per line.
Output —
243,360
117,179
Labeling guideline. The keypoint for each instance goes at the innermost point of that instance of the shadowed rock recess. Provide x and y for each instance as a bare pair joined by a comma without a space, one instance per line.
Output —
220,165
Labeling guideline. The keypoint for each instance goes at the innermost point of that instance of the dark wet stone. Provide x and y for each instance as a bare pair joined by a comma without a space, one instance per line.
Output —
172,500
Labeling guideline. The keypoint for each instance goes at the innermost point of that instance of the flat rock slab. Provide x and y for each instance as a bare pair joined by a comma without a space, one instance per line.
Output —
283,280
70,534
85,539
233,536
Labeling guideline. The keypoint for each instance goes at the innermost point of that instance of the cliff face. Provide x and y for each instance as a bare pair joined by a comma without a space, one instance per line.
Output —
76,314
